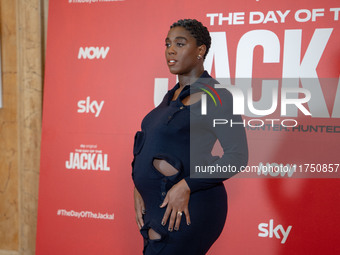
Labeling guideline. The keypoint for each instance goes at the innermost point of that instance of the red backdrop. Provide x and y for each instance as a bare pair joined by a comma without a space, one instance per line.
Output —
103,64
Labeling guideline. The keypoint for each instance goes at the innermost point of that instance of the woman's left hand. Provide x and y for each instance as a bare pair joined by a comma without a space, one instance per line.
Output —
177,200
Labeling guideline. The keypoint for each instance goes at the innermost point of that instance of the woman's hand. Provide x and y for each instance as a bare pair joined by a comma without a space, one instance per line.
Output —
139,208
177,200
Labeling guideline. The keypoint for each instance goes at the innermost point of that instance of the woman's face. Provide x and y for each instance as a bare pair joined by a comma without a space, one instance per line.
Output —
181,52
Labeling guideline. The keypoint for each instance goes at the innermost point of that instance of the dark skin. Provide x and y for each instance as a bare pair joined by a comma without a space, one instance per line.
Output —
185,59
181,47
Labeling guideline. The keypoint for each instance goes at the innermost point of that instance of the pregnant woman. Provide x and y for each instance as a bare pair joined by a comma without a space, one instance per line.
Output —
178,213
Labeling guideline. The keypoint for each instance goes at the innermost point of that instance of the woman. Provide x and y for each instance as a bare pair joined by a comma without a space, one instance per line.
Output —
177,214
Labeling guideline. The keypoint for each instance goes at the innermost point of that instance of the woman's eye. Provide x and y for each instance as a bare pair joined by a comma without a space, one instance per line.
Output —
180,44
167,45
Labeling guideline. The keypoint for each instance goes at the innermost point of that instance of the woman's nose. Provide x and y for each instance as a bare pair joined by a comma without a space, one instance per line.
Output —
171,50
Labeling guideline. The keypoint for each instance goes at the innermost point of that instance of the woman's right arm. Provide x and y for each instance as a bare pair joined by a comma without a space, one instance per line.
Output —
139,208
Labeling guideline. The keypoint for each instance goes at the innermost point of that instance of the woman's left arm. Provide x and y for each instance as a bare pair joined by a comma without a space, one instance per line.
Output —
233,140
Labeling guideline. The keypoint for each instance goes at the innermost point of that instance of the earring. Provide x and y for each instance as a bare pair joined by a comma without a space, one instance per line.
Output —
199,57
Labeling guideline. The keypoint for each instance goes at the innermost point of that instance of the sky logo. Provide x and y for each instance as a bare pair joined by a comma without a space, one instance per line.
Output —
268,230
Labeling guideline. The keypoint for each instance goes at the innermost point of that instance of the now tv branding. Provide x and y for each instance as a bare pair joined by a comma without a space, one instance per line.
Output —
275,169
93,52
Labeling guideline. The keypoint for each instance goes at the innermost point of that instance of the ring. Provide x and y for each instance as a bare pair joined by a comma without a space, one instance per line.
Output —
179,213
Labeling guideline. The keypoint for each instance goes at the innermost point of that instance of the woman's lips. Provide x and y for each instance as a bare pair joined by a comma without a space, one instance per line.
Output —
171,62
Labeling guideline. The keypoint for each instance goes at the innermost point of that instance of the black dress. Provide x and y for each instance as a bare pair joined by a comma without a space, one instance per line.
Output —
184,137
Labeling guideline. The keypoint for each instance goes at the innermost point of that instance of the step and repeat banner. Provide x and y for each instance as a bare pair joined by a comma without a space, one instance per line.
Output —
105,70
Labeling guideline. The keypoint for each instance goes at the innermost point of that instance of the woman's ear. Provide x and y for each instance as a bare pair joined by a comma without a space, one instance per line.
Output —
201,50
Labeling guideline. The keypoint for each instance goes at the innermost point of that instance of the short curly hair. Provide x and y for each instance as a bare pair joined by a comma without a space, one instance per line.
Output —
197,30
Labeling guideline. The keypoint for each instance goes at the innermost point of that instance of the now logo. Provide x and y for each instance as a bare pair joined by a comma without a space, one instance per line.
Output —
268,230
275,169
86,106
93,52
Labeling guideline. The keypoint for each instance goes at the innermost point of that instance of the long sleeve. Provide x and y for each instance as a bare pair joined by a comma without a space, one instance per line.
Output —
229,131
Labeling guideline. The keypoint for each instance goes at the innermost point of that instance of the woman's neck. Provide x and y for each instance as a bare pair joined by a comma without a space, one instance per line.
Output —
186,79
